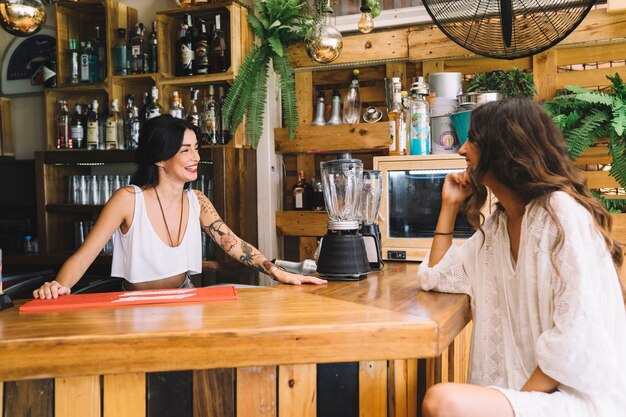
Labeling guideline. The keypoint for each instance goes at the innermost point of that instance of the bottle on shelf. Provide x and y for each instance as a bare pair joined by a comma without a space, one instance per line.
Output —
223,126
100,48
77,130
114,136
419,121
73,62
121,53
29,247
63,127
301,191
93,127
153,50
209,118
177,109
138,51
132,123
193,117
319,111
186,47
317,199
49,71
144,109
397,120
220,56
154,109
201,60
352,101
335,113
88,64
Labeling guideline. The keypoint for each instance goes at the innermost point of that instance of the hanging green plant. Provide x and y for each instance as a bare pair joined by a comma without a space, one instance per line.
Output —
585,116
277,25
513,83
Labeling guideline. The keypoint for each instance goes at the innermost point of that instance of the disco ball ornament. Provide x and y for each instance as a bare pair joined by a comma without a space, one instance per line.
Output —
22,17
324,42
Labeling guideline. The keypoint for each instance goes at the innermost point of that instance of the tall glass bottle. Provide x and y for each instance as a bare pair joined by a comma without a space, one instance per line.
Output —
210,117
100,48
121,53
114,136
89,72
186,48
63,126
352,101
419,122
177,109
202,50
154,109
220,56
193,117
73,62
222,131
153,53
138,49
77,129
397,120
93,127
301,192
132,123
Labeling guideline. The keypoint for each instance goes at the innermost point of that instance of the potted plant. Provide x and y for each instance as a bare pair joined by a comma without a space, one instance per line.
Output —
277,25
513,83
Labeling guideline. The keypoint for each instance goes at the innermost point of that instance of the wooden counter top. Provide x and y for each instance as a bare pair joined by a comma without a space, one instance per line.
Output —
381,317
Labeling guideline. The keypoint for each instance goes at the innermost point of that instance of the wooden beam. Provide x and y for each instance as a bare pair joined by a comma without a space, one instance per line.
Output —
333,139
372,388
301,223
297,390
544,74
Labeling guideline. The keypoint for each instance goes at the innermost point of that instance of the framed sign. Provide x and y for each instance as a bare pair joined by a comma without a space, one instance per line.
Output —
22,62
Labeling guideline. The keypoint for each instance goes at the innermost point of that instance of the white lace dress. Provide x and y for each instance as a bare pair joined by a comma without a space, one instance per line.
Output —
572,327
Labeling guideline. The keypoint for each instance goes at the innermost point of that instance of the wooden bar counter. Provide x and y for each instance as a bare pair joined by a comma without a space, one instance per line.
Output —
274,337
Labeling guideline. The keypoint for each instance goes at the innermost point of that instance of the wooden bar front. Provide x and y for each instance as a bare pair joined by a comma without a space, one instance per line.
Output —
272,336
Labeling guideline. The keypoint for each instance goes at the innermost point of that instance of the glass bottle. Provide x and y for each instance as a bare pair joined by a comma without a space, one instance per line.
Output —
300,192
154,109
225,133
99,47
131,123
138,50
88,64
93,128
73,61
153,52
186,50
220,56
419,122
177,109
121,53
352,101
63,126
193,117
114,136
210,117
317,202
397,121
77,130
202,50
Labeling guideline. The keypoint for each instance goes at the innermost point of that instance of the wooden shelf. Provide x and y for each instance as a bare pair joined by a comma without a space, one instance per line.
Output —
83,156
302,223
73,208
193,80
332,139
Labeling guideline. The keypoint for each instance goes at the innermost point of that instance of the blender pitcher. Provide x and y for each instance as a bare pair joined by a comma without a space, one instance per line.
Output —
371,193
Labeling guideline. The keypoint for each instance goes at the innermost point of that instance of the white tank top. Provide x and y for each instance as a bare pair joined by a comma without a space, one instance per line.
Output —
140,255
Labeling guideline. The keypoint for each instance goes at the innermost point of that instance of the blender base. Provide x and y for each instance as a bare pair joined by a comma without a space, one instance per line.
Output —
343,257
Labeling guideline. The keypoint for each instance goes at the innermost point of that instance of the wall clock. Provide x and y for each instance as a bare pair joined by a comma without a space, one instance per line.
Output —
22,60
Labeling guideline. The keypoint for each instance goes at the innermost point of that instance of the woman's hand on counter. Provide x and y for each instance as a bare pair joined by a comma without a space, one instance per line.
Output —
285,277
51,290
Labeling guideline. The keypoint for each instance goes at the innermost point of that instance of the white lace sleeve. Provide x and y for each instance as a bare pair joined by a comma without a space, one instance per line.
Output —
578,351
451,274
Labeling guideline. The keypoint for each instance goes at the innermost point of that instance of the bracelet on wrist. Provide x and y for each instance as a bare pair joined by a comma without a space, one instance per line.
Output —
443,233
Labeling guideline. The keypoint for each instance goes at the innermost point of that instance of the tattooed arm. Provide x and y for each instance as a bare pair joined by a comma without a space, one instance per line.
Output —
241,250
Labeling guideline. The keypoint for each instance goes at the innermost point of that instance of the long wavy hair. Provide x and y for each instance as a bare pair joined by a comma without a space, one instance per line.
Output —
160,139
521,146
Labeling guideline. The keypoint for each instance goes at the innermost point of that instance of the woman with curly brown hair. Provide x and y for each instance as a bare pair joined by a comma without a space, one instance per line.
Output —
549,326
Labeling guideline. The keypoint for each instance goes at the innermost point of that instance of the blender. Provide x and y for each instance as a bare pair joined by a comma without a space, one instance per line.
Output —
371,192
342,254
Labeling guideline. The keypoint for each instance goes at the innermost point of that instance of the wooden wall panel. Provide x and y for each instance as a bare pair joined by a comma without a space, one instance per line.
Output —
259,385
372,388
297,390
544,74
123,394
77,396
214,393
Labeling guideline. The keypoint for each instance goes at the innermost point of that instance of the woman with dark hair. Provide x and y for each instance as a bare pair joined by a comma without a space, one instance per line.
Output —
549,326
156,221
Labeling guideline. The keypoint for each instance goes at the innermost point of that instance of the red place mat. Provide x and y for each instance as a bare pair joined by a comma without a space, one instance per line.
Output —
115,299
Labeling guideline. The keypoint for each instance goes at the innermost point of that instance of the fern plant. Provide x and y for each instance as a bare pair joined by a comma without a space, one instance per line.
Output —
277,25
513,83
585,116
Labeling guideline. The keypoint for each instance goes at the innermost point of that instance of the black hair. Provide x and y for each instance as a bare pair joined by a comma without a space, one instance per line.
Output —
160,139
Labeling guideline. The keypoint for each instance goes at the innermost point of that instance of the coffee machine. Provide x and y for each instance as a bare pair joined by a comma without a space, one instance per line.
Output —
342,255
371,193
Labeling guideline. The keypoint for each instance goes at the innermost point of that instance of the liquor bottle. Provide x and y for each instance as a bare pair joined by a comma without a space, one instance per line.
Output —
77,130
99,46
210,117
300,192
73,61
193,117
88,64
49,71
397,121
352,101
63,126
186,49
220,56
131,123
114,128
419,121
224,127
138,50
317,199
177,109
154,109
144,110
121,53
153,53
93,127
201,60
